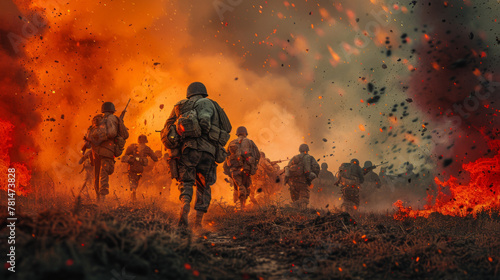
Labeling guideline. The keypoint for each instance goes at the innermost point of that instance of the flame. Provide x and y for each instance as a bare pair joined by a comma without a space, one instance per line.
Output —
22,173
482,193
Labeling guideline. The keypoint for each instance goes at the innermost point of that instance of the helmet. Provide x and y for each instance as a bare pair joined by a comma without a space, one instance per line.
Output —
241,130
355,161
108,107
303,148
324,165
368,164
142,139
196,88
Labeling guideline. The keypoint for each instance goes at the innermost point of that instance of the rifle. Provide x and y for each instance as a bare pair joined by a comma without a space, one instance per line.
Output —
279,161
371,168
122,115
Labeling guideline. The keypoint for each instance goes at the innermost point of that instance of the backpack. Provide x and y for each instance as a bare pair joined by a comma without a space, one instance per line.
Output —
297,167
187,122
224,124
98,131
345,170
241,155
134,165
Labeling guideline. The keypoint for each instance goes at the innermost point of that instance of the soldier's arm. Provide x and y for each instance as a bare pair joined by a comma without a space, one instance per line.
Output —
205,109
152,155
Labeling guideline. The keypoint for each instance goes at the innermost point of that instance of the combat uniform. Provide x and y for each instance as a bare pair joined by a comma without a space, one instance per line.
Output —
242,163
136,156
196,156
301,170
323,186
106,136
351,176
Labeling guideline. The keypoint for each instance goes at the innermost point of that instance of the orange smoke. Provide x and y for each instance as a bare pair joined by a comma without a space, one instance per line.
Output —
482,193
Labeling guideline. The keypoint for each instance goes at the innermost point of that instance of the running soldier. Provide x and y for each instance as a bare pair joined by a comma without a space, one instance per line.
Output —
299,174
350,177
106,136
241,163
323,186
195,135
136,156
371,185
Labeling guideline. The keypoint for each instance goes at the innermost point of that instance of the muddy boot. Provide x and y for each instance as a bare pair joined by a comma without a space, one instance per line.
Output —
183,219
198,220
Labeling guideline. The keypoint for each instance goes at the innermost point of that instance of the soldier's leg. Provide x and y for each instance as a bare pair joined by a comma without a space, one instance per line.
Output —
134,183
187,176
205,177
304,195
97,175
107,168
247,182
294,194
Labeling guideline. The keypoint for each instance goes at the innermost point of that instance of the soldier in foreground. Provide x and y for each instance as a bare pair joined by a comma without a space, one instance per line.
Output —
350,177
106,136
136,156
241,163
299,174
195,135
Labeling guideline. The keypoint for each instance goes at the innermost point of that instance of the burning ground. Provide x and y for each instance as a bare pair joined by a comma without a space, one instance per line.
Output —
80,241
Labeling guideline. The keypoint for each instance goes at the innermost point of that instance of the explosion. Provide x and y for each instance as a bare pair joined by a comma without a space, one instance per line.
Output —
481,194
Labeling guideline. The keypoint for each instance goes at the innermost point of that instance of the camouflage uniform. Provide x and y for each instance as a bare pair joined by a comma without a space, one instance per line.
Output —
196,156
350,179
300,181
241,173
104,156
136,156
323,186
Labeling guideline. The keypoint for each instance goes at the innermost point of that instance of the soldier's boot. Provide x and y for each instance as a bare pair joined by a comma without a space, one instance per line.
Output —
198,220
183,219
242,203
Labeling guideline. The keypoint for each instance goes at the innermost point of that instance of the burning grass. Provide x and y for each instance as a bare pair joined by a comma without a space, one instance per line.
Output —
82,241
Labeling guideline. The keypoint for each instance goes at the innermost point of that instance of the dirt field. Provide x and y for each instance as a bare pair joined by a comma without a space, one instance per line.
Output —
70,240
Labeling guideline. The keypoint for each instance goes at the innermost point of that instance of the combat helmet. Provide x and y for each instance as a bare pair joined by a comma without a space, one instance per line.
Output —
196,88
241,130
324,165
303,148
368,164
108,107
355,161
142,139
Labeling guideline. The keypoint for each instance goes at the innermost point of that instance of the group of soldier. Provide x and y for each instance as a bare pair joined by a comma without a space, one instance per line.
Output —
195,137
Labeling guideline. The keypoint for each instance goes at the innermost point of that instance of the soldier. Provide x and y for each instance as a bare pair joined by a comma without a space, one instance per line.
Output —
372,182
88,168
350,176
323,186
160,172
106,137
299,174
241,163
195,135
136,156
